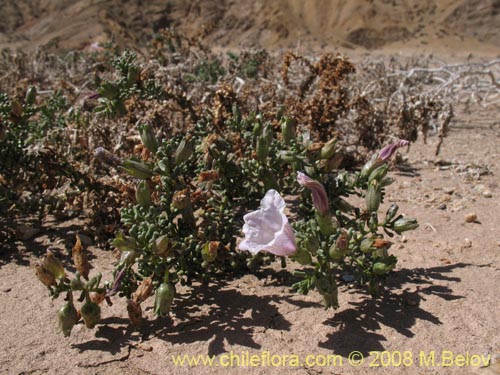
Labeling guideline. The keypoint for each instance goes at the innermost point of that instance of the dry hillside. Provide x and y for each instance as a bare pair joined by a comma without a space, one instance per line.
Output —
394,24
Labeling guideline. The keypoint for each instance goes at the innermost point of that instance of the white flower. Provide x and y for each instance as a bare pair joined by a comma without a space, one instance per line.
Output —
267,229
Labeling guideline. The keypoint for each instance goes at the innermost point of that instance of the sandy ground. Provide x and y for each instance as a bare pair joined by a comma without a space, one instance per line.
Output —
443,296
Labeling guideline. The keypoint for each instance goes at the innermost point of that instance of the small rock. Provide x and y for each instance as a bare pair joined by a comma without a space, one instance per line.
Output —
145,347
348,278
449,190
471,217
487,194
446,198
404,239
6,290
442,206
467,243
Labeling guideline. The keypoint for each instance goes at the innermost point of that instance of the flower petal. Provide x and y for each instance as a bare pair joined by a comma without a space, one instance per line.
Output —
267,229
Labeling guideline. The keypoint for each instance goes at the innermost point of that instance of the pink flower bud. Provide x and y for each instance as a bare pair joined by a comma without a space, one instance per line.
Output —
390,149
320,199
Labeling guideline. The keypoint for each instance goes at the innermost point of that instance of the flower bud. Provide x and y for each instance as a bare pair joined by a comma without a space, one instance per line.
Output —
184,151
379,173
236,112
404,224
91,313
269,134
31,95
288,129
137,169
390,149
148,138
55,267
366,245
209,251
164,296
45,276
143,290
373,196
370,166
318,192
328,149
262,148
143,194
337,253
386,181
380,268
134,311
327,224
257,129
67,317
163,245
391,212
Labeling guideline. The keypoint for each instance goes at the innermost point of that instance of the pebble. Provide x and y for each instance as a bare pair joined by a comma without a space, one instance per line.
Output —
471,217
487,194
449,190
348,278
442,206
6,290
446,198
145,347
467,243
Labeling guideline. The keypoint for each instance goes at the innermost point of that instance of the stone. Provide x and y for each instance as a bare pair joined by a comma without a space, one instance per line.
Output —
471,217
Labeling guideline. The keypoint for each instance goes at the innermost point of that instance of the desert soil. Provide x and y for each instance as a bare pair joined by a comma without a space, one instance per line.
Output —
443,296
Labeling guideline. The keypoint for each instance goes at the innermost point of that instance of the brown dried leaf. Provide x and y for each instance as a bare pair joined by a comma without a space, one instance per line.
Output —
143,291
134,313
80,259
